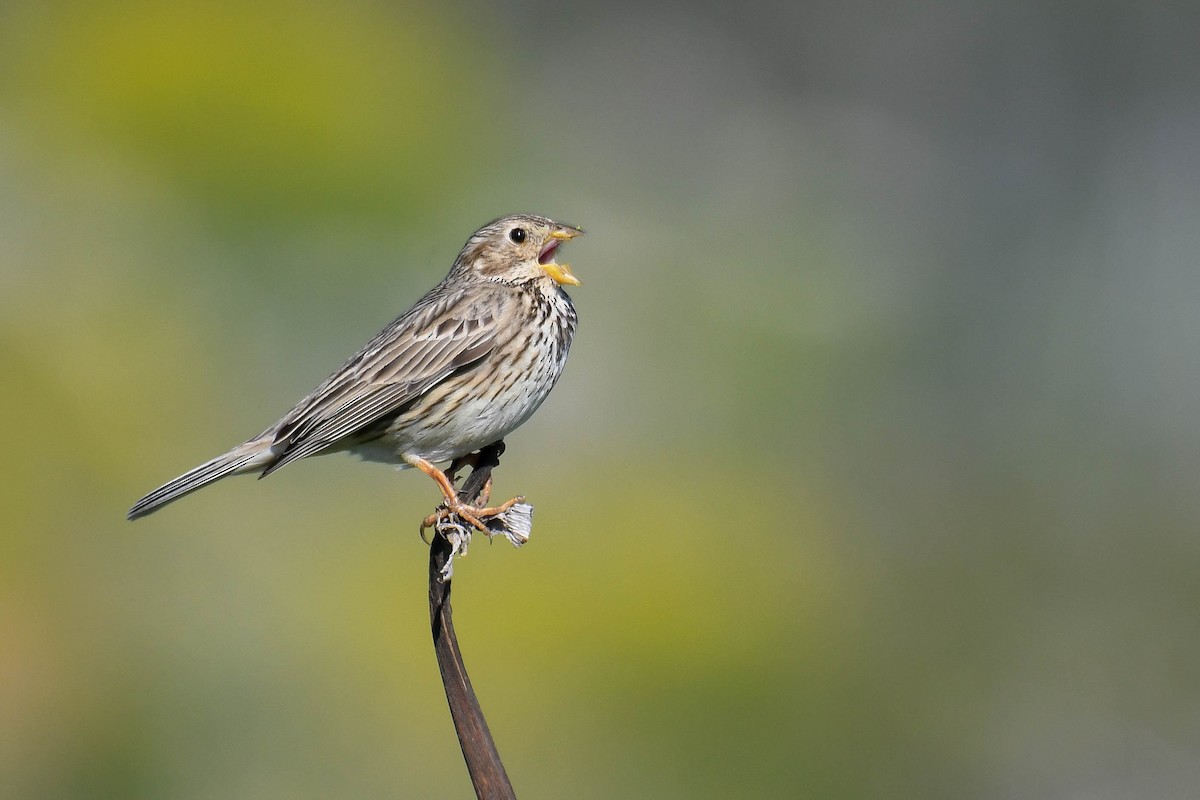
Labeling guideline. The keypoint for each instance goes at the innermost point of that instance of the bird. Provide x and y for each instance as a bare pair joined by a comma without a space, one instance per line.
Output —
470,362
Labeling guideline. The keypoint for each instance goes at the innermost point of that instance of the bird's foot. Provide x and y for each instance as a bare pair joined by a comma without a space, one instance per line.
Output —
480,518
457,521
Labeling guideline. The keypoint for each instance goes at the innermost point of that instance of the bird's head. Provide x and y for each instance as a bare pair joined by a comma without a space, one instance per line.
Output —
517,249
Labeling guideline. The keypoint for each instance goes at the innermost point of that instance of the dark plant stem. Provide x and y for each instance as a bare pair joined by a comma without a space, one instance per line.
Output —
479,750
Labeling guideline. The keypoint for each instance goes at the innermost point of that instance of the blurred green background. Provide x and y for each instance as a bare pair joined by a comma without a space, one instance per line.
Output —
873,473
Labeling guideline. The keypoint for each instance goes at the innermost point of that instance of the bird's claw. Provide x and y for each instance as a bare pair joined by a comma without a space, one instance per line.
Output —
475,515
512,519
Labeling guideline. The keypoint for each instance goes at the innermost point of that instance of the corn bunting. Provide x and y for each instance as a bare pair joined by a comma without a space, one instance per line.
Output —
466,365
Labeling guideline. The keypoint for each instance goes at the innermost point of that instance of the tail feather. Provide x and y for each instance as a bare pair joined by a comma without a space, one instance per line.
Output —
249,457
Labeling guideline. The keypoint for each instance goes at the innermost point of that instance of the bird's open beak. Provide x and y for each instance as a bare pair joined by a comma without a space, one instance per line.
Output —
559,273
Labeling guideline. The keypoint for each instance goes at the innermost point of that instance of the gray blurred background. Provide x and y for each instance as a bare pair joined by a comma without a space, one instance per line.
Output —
873,472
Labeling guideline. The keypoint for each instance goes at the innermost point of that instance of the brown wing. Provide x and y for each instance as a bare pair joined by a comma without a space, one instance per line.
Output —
442,334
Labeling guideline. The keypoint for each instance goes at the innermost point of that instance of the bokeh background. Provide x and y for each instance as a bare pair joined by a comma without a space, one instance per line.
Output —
873,473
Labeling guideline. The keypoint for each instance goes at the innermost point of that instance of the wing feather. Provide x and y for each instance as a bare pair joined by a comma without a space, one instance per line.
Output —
412,355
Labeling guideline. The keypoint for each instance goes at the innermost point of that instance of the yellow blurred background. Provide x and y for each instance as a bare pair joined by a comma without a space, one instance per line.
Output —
872,473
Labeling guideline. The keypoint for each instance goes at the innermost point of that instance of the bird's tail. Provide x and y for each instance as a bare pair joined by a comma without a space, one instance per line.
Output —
249,457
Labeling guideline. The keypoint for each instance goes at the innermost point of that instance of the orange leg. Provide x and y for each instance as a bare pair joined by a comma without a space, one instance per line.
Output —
472,514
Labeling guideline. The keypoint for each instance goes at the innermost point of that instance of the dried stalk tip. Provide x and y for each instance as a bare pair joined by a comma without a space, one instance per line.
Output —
514,524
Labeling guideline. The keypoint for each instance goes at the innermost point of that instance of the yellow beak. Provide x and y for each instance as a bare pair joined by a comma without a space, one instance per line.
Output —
561,273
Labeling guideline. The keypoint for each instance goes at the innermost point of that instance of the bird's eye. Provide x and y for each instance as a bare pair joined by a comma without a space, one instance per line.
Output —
517,235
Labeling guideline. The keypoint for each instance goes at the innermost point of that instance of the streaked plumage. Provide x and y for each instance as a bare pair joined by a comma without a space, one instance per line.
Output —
466,365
